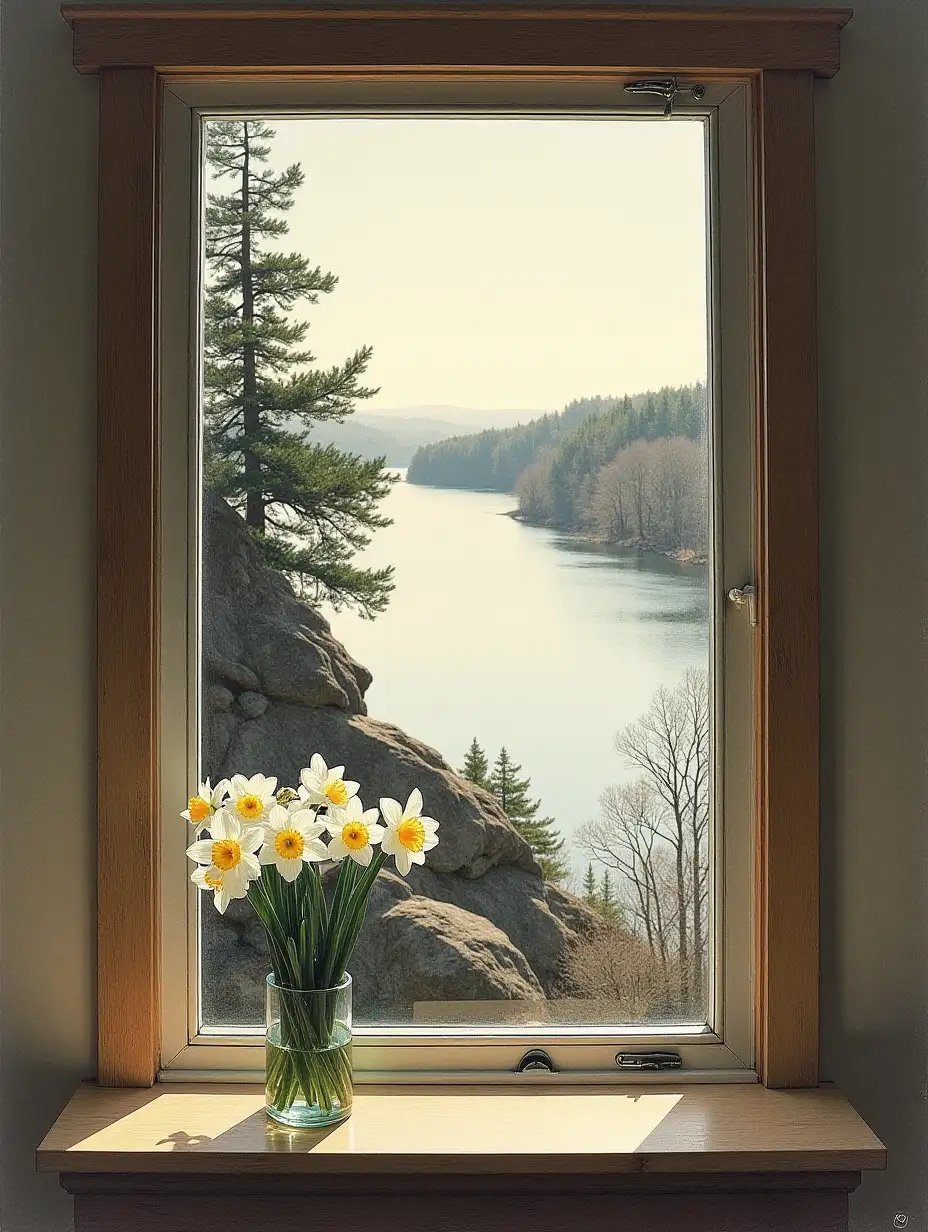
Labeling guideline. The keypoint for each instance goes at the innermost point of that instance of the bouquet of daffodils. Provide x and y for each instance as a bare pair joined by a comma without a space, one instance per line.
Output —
267,845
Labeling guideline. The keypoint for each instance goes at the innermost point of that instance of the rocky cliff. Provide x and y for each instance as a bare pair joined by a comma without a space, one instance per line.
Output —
477,923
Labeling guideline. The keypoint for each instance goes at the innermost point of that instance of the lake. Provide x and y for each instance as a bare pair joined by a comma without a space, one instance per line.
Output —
523,637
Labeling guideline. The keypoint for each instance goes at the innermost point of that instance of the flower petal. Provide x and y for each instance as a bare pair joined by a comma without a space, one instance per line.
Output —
391,811
375,833
250,866
239,785
314,851
290,869
363,855
252,837
224,825
277,818
267,854
413,804
221,899
201,851
219,792
337,849
403,860
391,843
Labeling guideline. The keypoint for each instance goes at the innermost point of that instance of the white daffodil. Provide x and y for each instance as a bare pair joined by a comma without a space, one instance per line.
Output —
354,830
204,804
292,839
229,854
320,786
207,879
408,835
252,799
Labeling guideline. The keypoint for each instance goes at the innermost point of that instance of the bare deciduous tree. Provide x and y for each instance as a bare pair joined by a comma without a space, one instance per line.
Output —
654,833
655,492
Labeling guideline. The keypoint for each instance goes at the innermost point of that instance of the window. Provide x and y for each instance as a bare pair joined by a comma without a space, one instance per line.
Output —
464,309
762,330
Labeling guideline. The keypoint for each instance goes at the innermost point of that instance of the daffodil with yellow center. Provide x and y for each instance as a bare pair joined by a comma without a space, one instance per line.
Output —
321,787
202,806
252,799
354,832
229,857
209,880
408,835
292,841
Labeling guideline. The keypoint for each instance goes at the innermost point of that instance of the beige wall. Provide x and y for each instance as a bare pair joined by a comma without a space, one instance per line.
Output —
873,159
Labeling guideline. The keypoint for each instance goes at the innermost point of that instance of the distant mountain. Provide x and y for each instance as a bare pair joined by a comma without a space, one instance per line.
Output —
397,434
460,416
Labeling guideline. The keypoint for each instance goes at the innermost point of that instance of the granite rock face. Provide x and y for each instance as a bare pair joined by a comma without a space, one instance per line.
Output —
477,923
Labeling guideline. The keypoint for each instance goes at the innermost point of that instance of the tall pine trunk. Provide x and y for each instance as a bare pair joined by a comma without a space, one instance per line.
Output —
251,426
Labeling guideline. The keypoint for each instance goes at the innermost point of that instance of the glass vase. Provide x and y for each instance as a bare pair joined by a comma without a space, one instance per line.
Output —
308,1082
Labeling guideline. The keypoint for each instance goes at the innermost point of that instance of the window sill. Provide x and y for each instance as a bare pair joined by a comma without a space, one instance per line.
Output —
703,1130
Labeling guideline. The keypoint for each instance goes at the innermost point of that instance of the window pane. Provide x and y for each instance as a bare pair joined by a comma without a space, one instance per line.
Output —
456,466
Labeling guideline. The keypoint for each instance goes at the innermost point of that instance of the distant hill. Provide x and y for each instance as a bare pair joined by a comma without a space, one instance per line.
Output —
578,441
495,458
460,416
397,434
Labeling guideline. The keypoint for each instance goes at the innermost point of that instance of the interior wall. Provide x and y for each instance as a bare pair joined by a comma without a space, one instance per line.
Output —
873,235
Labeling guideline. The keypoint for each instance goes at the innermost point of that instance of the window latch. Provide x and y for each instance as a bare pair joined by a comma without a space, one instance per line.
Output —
665,88
745,597
647,1062
534,1060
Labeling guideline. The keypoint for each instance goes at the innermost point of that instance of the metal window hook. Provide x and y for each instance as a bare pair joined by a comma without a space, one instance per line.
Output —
666,88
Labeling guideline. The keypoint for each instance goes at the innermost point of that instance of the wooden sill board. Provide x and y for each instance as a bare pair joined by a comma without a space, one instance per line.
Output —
201,1129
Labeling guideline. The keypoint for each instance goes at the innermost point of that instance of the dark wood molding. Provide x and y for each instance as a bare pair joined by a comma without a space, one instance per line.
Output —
279,41
787,897
127,579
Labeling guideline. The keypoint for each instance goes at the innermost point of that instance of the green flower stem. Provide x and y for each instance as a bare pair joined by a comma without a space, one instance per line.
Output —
311,940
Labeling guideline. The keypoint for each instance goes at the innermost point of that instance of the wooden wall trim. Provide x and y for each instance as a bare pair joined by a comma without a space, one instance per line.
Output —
787,898
127,580
786,887
276,40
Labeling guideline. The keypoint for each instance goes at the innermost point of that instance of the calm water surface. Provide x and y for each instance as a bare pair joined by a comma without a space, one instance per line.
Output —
522,637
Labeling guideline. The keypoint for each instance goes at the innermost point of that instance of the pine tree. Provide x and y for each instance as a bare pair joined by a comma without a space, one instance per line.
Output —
539,832
606,899
590,888
476,767
310,507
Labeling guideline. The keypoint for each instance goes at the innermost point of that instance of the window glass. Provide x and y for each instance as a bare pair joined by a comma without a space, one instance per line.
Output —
456,466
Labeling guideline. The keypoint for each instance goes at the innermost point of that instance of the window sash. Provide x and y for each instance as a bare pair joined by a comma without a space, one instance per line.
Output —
723,1050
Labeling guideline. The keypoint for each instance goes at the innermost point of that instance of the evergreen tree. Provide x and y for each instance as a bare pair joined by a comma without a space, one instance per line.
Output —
476,767
607,902
310,507
539,832
590,888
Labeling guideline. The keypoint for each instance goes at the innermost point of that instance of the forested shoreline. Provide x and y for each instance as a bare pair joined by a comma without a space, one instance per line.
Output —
628,470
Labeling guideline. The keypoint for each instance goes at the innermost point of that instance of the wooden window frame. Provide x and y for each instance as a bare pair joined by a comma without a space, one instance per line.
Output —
135,50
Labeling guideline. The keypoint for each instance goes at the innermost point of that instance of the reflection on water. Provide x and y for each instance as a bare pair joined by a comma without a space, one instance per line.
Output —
522,636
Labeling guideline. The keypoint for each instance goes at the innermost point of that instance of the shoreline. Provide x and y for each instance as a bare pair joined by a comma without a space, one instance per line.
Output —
682,556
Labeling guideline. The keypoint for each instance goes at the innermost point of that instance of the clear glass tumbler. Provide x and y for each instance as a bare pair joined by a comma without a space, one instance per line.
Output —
308,1082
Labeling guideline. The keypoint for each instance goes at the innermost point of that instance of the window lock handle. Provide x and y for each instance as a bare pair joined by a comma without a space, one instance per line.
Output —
745,597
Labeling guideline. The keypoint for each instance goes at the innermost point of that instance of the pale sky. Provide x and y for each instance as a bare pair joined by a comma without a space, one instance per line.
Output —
504,263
